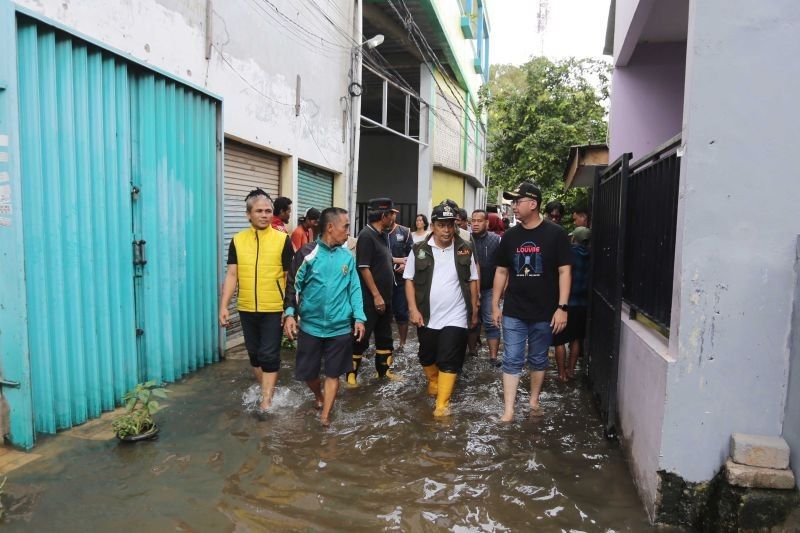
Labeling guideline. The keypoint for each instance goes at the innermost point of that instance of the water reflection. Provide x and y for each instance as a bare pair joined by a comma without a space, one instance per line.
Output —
384,463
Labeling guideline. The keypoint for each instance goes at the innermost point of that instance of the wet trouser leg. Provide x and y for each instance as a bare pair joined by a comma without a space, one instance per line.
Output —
449,359
262,337
360,346
384,344
428,346
442,351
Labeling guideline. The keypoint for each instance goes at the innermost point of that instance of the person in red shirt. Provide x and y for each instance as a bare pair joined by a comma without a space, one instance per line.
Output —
304,232
283,213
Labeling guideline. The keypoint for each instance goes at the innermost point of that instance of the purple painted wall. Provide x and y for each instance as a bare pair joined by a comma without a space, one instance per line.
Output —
647,99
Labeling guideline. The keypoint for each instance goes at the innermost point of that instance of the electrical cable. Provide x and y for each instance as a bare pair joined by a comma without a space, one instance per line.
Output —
311,134
307,39
413,28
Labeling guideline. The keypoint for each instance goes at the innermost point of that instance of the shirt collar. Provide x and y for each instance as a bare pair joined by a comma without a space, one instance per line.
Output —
432,244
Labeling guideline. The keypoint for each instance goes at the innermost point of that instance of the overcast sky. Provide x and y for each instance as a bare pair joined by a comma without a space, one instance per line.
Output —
575,28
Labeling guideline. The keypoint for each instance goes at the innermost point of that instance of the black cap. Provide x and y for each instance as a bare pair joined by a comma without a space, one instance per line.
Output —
526,189
382,204
312,214
451,203
443,211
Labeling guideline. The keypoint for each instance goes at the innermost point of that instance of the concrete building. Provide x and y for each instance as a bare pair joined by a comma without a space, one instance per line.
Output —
710,79
422,139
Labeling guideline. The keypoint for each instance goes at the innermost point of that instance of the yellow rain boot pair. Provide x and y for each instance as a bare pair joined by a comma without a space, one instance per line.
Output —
446,382
432,373
352,381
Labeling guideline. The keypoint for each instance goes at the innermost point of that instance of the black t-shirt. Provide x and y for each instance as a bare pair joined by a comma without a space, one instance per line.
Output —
286,255
532,257
372,250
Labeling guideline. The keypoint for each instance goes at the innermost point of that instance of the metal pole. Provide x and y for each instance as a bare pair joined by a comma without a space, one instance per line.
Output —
355,114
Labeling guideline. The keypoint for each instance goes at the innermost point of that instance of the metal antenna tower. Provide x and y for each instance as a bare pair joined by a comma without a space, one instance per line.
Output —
541,21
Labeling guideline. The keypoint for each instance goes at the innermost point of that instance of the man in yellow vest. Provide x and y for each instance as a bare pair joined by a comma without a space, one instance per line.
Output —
258,259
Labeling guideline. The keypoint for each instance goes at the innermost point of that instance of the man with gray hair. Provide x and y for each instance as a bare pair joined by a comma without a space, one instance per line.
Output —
258,259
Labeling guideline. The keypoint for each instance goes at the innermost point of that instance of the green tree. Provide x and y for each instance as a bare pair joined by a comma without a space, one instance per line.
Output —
536,112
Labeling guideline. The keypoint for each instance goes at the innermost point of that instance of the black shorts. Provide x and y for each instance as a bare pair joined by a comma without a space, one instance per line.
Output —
576,326
312,351
262,338
444,347
381,324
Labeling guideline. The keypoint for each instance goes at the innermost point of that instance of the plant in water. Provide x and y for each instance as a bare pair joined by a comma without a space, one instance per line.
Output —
140,406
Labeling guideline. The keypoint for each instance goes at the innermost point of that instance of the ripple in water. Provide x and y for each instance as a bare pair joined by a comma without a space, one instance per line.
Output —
283,398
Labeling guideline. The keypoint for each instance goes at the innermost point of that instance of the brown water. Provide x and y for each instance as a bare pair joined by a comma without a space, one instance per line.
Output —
384,464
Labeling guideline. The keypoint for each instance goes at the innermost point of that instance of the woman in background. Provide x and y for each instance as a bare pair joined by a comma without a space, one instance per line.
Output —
421,226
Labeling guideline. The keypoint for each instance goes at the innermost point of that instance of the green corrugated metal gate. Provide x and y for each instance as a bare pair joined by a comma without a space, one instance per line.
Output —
119,225
314,188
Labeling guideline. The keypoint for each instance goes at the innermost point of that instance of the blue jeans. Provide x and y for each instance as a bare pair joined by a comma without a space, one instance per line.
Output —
492,331
516,334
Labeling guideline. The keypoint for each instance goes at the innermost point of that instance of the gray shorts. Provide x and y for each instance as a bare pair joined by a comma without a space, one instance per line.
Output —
335,352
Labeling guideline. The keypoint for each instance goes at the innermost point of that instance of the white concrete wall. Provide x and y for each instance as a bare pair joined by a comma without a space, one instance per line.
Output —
470,198
449,130
259,45
629,19
641,393
449,13
791,419
734,279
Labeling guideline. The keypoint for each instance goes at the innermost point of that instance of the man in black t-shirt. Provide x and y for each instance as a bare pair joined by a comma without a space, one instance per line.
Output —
376,271
535,259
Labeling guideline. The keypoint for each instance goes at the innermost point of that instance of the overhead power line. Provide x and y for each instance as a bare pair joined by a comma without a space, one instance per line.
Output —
416,35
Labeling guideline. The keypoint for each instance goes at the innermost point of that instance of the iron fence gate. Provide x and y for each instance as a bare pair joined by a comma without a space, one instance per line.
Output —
605,304
652,213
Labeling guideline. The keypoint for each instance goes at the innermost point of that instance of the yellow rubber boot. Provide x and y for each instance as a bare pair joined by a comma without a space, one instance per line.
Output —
446,382
352,380
383,364
432,373
389,374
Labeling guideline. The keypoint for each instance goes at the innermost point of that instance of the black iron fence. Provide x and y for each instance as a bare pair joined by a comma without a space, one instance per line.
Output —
408,212
633,252
651,216
605,303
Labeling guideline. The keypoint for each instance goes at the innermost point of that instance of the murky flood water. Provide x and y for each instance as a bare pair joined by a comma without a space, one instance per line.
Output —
384,463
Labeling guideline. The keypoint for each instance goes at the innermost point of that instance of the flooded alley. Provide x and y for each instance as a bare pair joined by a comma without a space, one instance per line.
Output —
384,464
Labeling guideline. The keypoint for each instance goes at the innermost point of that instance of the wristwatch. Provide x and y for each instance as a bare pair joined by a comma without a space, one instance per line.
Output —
564,307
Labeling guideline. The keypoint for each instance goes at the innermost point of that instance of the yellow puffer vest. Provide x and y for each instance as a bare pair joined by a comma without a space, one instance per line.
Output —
261,280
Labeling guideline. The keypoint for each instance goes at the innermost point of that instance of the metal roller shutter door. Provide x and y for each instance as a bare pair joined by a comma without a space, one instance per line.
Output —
245,169
315,189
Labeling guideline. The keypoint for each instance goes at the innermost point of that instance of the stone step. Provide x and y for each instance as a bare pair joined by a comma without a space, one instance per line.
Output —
759,450
758,477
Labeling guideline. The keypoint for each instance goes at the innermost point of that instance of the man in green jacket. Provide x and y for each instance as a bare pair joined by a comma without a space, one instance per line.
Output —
324,291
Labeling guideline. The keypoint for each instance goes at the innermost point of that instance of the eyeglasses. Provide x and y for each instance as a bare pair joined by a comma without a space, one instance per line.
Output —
520,200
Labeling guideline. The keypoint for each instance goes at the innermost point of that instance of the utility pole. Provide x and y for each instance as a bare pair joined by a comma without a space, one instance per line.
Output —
541,20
